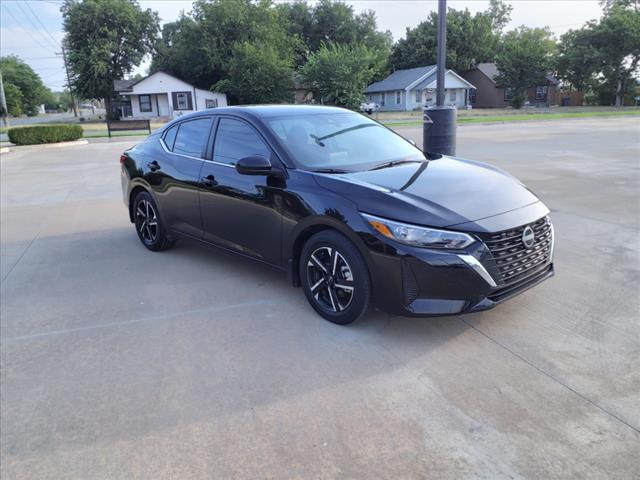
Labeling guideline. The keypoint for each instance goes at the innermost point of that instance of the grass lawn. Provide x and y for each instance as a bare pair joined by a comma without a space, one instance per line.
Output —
97,129
462,119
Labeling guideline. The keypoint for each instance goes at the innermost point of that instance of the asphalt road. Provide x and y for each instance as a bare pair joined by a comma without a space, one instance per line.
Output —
120,363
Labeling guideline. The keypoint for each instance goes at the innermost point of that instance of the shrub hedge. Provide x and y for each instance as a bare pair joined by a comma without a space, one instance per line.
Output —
44,134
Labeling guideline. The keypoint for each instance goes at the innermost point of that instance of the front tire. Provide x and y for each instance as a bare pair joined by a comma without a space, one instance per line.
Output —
335,278
148,224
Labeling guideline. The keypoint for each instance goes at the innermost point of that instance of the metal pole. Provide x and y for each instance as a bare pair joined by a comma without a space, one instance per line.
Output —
73,98
442,49
3,104
439,127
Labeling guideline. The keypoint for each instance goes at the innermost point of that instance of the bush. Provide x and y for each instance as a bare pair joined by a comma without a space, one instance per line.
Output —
518,100
44,134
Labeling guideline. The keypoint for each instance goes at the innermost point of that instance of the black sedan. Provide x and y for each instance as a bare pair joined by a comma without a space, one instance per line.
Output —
357,215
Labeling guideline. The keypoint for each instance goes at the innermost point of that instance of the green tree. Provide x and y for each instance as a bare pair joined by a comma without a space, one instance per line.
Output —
609,4
574,58
471,39
499,13
51,101
258,74
24,89
616,41
332,22
338,74
604,54
523,60
66,101
105,40
182,53
200,47
208,45
14,99
298,17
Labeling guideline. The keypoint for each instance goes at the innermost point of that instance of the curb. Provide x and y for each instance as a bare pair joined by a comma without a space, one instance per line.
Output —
53,145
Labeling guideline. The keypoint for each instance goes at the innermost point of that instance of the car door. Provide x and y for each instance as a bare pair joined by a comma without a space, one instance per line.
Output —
177,194
241,212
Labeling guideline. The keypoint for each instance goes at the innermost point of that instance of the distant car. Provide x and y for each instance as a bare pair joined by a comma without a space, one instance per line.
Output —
369,107
356,214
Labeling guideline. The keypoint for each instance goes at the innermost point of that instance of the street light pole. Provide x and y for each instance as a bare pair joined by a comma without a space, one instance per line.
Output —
442,52
439,127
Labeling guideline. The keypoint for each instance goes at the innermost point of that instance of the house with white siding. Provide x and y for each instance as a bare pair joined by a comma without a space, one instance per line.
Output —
161,95
415,88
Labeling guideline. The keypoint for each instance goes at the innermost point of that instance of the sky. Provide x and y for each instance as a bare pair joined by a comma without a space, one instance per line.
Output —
32,29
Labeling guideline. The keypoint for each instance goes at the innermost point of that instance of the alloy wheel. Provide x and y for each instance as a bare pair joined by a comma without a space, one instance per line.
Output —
330,279
147,221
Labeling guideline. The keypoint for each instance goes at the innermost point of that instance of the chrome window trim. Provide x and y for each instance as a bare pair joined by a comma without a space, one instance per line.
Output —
479,268
164,147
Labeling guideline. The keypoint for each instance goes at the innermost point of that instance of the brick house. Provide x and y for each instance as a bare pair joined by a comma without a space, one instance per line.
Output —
489,95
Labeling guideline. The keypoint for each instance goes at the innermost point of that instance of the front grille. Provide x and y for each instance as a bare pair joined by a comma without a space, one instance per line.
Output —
513,259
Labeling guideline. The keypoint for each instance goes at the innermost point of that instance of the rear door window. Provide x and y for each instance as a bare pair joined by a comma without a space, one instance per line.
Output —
192,136
170,137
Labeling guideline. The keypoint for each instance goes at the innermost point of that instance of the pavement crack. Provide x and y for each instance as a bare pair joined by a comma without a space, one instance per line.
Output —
548,375
21,255
44,225
135,321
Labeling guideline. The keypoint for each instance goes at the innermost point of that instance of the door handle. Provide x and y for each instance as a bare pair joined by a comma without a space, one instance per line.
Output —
209,181
153,166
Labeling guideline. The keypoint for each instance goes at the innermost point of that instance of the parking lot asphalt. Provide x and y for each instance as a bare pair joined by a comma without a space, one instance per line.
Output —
121,363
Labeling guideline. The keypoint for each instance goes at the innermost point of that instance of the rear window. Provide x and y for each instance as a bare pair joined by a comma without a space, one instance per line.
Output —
192,136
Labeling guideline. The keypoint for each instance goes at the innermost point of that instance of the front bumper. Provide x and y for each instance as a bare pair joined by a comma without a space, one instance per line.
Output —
421,282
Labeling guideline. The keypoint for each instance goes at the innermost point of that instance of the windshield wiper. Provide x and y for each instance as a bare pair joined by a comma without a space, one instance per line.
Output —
319,141
330,170
393,163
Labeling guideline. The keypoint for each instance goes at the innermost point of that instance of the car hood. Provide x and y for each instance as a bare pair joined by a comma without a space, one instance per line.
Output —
440,193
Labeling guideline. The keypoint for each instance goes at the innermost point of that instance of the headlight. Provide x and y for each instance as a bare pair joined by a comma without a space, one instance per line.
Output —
418,236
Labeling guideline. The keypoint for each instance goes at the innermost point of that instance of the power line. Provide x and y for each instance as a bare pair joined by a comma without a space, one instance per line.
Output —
51,75
36,29
40,58
43,27
38,41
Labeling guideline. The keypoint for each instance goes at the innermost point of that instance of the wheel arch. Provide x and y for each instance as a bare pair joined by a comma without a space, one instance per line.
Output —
310,227
132,195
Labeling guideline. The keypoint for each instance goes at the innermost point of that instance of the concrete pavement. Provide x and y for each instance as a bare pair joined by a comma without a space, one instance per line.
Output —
118,362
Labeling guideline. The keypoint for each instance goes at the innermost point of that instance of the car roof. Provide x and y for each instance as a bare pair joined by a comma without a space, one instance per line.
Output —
261,112
270,111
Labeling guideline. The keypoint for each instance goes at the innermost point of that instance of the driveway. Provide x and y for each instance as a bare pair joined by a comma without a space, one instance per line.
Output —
118,362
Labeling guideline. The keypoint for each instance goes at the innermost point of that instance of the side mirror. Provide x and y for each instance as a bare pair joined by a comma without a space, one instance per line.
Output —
254,165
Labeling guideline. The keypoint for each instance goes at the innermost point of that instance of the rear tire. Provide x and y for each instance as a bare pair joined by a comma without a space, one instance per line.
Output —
148,224
335,278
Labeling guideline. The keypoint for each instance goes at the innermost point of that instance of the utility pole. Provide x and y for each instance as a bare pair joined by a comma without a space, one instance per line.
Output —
73,98
439,127
3,104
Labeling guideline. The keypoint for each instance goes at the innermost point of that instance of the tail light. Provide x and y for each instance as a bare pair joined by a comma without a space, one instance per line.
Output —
123,159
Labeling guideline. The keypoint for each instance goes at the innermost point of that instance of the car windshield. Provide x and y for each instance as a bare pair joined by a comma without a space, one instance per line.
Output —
341,142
